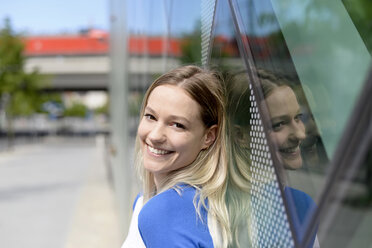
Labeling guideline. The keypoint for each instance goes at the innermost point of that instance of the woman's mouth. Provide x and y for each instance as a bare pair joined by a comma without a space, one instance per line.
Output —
157,151
290,150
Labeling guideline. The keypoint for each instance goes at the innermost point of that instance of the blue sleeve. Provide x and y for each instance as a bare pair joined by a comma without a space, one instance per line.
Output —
169,220
301,209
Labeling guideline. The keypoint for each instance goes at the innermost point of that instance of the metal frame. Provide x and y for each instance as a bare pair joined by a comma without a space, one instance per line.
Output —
206,54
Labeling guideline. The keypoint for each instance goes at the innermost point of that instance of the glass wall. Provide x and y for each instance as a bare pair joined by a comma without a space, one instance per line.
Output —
298,114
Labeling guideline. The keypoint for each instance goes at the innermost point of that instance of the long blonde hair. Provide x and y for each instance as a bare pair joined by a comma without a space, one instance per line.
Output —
208,172
238,195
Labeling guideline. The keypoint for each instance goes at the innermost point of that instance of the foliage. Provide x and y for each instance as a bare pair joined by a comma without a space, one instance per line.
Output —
47,98
19,90
104,109
360,12
191,48
76,110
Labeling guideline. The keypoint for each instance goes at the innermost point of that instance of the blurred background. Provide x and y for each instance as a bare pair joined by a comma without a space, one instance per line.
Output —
55,187
72,78
73,75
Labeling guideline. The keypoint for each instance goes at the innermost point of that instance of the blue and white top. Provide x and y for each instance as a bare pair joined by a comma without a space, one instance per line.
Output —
169,219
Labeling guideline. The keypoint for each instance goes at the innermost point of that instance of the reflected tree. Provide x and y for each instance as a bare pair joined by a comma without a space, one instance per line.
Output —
360,12
191,48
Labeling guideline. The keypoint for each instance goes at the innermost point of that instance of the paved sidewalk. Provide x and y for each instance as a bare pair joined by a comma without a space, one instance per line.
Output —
95,223
55,194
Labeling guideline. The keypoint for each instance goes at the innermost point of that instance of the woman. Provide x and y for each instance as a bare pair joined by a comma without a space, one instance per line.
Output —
180,157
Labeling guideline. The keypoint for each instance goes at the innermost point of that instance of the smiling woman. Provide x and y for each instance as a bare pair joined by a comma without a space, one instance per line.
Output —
287,129
181,161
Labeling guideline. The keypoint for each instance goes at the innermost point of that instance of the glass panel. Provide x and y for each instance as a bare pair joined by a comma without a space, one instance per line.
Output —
323,43
184,37
289,123
311,64
254,197
352,222
360,12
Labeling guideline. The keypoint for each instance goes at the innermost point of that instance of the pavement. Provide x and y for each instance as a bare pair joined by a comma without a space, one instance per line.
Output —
55,193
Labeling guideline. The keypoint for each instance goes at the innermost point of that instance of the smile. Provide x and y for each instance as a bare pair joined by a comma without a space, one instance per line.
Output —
290,150
157,151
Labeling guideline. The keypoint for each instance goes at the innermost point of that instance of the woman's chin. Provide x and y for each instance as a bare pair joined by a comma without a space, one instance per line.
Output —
292,164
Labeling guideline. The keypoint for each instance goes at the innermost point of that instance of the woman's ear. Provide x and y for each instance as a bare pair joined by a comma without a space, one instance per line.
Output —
210,136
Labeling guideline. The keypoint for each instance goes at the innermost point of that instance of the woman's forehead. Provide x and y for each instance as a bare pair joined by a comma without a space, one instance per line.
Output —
173,100
282,101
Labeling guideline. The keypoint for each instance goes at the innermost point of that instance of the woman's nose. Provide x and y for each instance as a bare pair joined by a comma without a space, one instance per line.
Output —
298,130
157,134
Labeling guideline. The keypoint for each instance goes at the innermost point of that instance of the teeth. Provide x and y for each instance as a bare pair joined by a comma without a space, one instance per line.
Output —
290,150
157,151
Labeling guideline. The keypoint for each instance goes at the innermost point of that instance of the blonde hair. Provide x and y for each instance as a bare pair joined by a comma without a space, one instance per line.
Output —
238,194
208,172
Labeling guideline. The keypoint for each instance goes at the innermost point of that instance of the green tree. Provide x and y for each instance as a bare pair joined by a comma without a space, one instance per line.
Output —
191,48
76,110
360,12
19,90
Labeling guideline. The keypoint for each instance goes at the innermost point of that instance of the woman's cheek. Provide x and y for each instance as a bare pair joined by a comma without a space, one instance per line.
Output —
142,127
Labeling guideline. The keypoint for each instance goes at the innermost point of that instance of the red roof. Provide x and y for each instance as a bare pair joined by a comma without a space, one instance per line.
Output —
96,42
155,46
65,45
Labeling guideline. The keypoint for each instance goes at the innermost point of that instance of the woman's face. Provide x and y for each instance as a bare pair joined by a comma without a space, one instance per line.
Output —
287,130
171,131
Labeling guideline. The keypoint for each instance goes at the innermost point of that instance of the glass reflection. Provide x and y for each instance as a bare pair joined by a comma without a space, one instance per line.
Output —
238,197
253,196
353,208
287,132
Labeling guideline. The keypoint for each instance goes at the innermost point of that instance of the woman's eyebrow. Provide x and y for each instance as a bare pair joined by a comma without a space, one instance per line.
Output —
149,109
179,118
279,118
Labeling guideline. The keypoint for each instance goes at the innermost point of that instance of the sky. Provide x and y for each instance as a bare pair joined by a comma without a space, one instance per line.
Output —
38,17
55,16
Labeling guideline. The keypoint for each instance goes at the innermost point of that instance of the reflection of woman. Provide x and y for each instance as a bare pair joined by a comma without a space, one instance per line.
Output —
286,132
181,161
287,129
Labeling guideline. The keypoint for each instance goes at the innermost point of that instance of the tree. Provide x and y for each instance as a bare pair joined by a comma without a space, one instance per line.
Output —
19,90
191,47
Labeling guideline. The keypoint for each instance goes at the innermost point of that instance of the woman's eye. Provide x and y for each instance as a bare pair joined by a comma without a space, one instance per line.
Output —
149,117
299,117
276,126
178,125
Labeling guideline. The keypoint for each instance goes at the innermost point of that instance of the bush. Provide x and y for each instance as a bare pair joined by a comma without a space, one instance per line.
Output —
76,110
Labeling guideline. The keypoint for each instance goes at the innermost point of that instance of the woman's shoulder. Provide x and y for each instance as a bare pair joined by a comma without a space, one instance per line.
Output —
180,196
173,203
171,218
